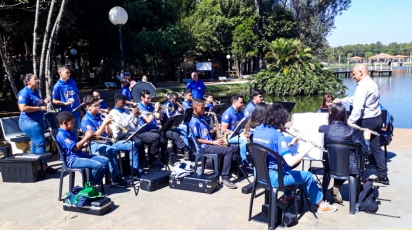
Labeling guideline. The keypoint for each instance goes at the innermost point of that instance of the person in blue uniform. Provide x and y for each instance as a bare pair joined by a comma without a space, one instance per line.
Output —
126,91
66,94
31,120
209,101
230,120
268,134
171,107
201,132
72,148
196,86
187,102
104,108
256,98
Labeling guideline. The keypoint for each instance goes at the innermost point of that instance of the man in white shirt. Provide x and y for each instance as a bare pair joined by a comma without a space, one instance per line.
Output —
367,113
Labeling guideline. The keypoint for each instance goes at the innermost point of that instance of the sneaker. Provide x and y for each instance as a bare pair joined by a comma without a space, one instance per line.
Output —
327,208
337,198
382,180
229,184
50,170
120,183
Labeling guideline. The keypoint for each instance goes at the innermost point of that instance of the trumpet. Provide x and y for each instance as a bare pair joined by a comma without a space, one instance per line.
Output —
102,138
216,102
123,129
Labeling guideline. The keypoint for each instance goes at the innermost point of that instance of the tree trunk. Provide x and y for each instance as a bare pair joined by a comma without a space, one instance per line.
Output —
43,50
36,25
6,65
50,50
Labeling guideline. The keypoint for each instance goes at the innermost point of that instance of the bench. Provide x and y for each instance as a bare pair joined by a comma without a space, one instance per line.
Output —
223,78
111,85
187,80
12,133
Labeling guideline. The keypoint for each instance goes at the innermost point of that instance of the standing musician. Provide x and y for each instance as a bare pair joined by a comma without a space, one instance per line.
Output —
257,97
269,134
93,122
130,120
201,132
149,114
209,101
31,120
367,113
126,92
66,94
230,120
196,86
187,102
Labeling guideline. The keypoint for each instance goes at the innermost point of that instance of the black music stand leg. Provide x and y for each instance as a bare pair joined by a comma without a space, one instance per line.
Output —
132,183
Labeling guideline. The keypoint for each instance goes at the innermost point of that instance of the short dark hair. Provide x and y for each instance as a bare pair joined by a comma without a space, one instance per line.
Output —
236,97
143,93
196,102
257,92
89,100
93,90
208,94
173,94
276,116
187,91
124,81
64,116
27,78
338,113
118,97
258,115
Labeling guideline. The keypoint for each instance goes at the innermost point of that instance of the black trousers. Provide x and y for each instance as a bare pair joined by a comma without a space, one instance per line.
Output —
375,124
227,153
150,138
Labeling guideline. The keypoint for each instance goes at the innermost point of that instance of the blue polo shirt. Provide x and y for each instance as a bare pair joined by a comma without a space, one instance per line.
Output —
31,98
148,108
90,122
231,117
210,106
249,109
186,104
166,112
198,88
67,140
103,105
63,91
200,128
126,91
272,139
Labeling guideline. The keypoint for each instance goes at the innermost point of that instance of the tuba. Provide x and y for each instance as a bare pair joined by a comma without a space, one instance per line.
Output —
217,129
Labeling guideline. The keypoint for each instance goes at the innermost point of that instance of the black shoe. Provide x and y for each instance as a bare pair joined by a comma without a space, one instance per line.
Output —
382,180
229,184
50,170
119,182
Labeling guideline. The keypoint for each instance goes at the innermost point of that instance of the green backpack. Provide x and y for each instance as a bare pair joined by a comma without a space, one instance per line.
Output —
80,196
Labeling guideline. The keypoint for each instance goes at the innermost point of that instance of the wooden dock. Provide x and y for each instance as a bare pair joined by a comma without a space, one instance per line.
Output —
347,72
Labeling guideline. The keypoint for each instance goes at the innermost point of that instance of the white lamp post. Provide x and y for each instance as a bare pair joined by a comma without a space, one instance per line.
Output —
228,65
118,16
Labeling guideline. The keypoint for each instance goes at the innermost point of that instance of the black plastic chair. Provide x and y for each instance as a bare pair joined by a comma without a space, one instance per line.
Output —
71,171
339,167
51,124
259,155
201,157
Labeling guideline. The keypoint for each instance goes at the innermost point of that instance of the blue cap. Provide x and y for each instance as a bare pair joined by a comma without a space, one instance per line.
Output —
127,73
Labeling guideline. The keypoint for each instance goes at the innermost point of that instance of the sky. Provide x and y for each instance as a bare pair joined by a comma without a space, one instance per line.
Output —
369,21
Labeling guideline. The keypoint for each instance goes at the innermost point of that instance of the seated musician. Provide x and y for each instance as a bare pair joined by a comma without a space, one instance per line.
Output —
92,121
130,120
257,97
326,102
73,154
187,102
104,108
339,131
209,101
150,114
256,119
230,120
201,131
126,91
269,134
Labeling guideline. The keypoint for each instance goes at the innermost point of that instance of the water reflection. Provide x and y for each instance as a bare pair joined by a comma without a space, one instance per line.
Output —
395,92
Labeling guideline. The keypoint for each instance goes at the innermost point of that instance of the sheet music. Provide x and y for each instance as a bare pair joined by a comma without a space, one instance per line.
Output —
308,125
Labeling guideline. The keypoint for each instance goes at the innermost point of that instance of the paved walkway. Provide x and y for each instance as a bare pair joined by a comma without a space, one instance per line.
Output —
35,205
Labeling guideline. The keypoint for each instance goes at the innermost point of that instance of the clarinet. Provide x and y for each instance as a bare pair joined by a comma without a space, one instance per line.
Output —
363,129
304,140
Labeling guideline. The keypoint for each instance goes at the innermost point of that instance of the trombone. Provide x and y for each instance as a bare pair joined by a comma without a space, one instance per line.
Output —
102,138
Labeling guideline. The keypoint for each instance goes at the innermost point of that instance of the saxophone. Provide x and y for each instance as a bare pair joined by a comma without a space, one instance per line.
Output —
217,129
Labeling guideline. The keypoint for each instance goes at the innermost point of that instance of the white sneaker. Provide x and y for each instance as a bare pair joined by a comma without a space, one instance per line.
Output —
325,207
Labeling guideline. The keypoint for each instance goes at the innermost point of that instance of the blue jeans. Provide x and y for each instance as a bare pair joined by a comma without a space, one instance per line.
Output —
241,141
98,164
127,146
109,152
297,178
35,131
182,131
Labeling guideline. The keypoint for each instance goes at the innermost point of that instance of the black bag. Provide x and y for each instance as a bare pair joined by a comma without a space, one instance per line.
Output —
155,181
97,207
367,200
196,183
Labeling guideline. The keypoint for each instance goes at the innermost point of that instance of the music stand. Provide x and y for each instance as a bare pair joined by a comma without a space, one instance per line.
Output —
220,109
188,115
130,138
287,105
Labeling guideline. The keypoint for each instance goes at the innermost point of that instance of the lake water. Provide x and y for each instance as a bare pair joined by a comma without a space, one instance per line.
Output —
395,93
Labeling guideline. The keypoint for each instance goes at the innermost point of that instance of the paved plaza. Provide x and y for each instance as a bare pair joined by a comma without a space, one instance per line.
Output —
35,205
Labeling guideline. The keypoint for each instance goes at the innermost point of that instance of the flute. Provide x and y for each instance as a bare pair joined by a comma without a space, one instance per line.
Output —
363,129
307,141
